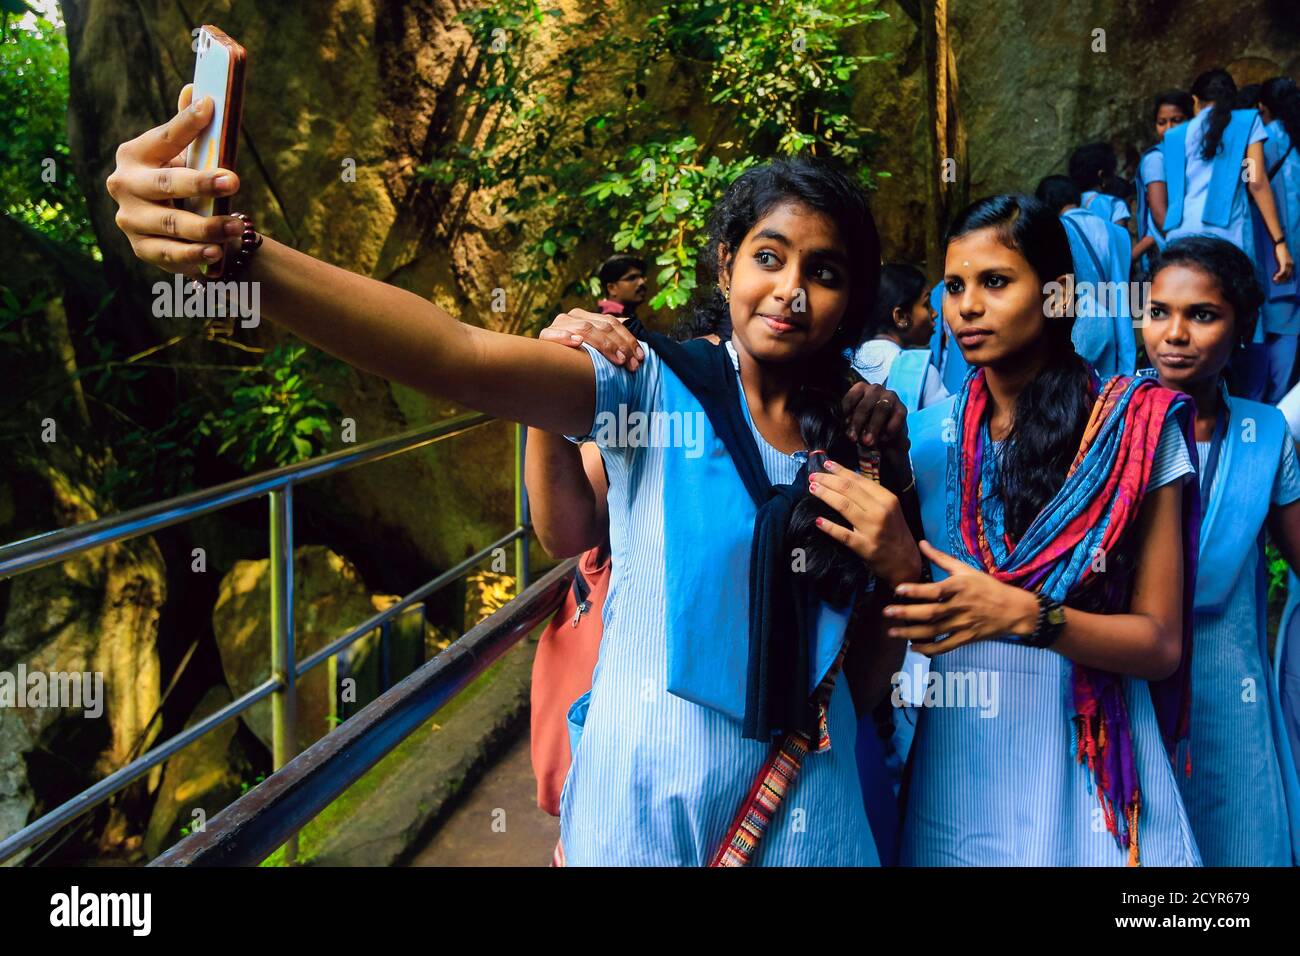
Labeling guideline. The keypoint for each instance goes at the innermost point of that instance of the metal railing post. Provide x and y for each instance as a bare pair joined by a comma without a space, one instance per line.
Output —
521,511
284,713
44,550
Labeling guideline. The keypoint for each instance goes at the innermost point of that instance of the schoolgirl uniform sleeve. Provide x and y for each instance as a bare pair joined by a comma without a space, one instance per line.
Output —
1272,147
619,393
1118,210
1153,167
1286,486
1173,461
1257,131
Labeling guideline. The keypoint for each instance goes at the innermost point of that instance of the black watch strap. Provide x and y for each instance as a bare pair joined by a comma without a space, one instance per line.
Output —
1051,621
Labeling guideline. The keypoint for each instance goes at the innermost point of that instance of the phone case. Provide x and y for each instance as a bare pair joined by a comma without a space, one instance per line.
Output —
216,145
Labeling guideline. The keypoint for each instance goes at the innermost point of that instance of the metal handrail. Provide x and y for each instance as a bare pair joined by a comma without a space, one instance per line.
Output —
52,547
250,829
56,546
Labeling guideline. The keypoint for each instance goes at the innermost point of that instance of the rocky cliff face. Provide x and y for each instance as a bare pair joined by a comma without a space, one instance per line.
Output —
1037,79
344,100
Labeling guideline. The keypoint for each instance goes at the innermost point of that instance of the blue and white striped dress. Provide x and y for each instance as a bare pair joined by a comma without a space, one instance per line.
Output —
999,786
656,779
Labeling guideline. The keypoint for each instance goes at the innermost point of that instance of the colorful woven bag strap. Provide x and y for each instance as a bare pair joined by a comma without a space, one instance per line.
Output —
776,778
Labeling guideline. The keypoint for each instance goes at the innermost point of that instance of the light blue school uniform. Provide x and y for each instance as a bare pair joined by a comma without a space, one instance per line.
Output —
1270,369
1151,169
1103,326
908,373
1005,790
1208,197
911,375
1281,312
945,353
1242,796
659,765
1106,206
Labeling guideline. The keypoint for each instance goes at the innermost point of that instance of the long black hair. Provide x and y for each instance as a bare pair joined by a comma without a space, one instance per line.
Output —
1281,97
901,285
1219,88
822,188
1229,267
1092,166
1057,192
1052,410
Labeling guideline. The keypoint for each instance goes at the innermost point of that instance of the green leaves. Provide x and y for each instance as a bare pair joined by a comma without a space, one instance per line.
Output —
278,419
778,77
37,183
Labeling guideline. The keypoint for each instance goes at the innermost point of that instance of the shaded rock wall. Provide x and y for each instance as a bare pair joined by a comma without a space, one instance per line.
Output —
1032,88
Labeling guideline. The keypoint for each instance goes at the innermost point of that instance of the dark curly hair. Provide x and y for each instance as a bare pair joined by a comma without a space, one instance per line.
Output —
1228,266
1052,410
821,187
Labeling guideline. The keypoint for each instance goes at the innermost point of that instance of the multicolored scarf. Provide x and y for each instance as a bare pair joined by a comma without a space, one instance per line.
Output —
1057,555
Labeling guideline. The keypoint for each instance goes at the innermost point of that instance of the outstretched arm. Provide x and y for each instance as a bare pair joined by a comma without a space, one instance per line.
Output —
372,325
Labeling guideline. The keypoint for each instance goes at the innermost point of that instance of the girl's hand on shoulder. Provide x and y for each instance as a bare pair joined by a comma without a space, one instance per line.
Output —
606,334
151,173
877,531
968,606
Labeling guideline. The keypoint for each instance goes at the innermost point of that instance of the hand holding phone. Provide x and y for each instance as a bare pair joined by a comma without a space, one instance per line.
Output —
219,73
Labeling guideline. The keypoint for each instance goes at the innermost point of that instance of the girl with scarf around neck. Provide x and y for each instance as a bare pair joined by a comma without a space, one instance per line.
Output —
1242,796
1041,486
695,681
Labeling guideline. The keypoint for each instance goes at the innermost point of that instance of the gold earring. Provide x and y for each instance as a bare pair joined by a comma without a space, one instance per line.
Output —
726,294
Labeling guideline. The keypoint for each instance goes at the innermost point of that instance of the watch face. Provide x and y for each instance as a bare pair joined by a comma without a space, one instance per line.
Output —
1056,615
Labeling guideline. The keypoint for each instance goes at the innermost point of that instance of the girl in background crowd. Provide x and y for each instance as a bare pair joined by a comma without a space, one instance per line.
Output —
1242,796
1203,162
1206,160
1042,488
1279,111
1103,326
894,351
1092,167
1171,108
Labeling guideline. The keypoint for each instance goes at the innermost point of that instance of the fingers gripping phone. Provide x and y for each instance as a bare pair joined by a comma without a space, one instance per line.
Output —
218,73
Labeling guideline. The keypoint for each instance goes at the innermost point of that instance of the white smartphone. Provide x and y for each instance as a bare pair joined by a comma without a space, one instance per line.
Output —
218,73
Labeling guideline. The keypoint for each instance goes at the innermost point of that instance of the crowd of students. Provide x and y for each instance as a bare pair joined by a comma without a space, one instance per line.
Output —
1212,310
977,591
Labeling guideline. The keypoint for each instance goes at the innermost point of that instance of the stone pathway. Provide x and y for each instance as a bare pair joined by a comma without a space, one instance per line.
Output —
498,822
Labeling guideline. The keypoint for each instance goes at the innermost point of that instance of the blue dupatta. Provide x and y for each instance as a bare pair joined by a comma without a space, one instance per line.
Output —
1225,177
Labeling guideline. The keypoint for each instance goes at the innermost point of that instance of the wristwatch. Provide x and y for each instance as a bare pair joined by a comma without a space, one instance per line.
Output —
1051,621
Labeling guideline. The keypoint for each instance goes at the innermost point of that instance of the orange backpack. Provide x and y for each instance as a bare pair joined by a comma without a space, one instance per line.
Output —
562,668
